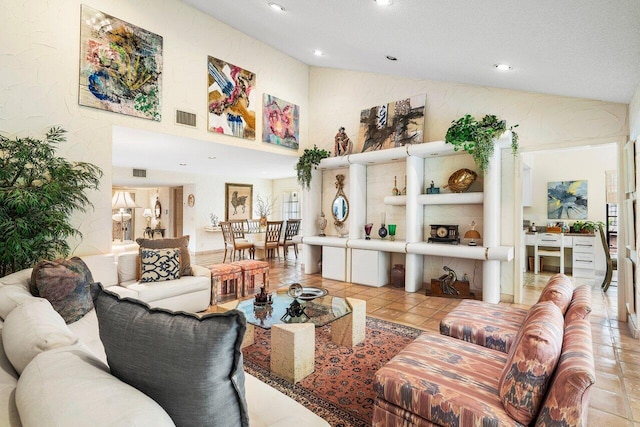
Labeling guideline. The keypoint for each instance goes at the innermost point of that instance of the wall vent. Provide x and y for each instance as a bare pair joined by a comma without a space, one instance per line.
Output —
184,118
140,173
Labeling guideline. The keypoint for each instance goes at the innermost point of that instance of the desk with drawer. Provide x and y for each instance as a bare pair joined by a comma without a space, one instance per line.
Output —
582,247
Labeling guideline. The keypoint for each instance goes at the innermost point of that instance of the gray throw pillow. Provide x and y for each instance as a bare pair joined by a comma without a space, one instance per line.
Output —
190,365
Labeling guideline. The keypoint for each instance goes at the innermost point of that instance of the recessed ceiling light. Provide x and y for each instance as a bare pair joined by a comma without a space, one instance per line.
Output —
318,52
391,58
211,157
503,67
384,2
276,6
183,164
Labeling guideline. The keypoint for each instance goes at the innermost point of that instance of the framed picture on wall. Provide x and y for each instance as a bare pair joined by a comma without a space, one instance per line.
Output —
238,201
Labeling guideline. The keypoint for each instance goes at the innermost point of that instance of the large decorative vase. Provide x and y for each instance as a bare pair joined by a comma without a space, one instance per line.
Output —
322,224
461,180
382,231
263,221
397,276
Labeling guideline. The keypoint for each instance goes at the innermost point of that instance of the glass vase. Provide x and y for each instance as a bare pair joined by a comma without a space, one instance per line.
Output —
367,230
392,232
382,231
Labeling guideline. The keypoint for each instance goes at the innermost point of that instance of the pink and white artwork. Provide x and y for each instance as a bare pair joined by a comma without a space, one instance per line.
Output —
280,122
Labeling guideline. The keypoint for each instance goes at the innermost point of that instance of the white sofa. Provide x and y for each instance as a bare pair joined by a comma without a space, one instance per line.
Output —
69,383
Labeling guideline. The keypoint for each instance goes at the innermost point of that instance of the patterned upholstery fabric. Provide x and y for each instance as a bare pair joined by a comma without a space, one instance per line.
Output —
532,361
221,273
179,242
567,400
65,283
558,290
580,306
441,380
489,325
251,269
159,265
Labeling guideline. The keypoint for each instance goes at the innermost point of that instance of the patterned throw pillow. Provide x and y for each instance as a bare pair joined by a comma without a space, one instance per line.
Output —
159,264
65,283
178,242
558,290
532,361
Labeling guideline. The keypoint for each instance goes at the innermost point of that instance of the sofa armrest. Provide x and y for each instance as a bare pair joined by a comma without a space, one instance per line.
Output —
200,271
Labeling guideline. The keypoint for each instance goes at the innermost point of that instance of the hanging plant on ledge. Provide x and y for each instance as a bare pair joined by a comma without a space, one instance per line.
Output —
478,137
310,159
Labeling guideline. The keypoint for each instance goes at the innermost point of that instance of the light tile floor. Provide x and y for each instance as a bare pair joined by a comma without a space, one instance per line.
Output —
615,398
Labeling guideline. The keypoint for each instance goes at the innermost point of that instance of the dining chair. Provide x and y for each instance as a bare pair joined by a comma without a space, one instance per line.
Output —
238,226
292,229
233,244
253,225
271,238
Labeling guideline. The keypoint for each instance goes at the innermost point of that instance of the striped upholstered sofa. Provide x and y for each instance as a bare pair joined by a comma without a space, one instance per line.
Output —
544,379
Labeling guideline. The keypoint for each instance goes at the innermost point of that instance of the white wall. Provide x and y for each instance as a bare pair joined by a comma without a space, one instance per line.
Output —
39,45
570,165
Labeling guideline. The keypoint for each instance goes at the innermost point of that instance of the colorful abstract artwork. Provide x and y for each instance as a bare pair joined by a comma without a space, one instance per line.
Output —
231,99
392,125
567,199
120,66
280,122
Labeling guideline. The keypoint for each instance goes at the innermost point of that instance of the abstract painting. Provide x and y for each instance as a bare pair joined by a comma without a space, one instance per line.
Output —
231,99
238,201
392,125
280,122
120,66
567,199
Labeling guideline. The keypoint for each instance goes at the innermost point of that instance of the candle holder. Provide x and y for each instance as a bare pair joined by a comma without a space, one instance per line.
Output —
367,230
392,232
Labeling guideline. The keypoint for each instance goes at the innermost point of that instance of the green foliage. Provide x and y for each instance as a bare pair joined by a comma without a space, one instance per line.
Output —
38,193
310,159
478,137
587,226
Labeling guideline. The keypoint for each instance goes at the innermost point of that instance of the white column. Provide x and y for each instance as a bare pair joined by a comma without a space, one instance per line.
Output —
357,200
311,209
491,219
415,180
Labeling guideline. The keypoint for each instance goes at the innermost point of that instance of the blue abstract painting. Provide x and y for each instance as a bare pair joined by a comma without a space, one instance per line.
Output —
567,200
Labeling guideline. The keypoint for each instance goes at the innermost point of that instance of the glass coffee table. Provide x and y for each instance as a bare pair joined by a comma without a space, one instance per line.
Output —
293,339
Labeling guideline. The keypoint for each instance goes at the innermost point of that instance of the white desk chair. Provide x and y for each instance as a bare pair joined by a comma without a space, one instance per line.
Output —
553,244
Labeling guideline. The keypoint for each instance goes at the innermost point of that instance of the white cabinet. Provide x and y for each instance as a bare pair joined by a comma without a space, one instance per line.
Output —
370,268
584,256
335,263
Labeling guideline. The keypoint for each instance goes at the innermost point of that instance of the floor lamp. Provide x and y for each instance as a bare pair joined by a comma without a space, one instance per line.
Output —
122,200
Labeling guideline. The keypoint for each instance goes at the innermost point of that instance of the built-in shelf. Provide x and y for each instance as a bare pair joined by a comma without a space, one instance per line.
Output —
475,198
395,200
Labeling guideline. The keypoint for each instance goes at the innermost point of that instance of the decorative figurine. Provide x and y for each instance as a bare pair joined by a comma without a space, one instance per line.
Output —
322,224
395,191
295,309
447,281
214,220
432,189
343,143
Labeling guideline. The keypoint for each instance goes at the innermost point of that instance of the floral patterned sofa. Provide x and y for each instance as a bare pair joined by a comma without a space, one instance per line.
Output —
543,380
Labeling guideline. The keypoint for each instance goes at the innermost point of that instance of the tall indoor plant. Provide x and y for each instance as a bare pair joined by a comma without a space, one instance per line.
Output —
478,137
309,160
38,193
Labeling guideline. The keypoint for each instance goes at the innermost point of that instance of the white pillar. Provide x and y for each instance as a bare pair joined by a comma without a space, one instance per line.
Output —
415,179
491,219
357,200
311,209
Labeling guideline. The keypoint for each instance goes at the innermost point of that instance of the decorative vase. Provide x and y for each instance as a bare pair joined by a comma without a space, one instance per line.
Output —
382,231
461,180
322,224
392,232
397,276
263,221
395,191
367,230
404,190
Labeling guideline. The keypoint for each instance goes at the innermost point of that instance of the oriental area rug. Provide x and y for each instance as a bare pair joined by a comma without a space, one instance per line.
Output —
340,390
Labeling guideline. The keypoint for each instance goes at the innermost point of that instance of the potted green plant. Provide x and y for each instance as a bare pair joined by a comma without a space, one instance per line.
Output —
38,193
478,137
309,160
587,226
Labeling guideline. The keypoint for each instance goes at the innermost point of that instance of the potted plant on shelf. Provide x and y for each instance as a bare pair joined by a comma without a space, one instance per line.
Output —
587,226
38,194
310,159
478,137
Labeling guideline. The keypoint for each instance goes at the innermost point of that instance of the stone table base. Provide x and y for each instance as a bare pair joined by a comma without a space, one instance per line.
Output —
350,330
293,348
249,335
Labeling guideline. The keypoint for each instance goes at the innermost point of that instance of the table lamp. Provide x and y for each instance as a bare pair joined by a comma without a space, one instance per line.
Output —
122,200
148,214
472,235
